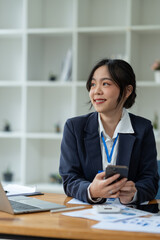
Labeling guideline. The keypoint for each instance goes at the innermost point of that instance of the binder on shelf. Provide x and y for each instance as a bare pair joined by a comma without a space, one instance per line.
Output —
67,67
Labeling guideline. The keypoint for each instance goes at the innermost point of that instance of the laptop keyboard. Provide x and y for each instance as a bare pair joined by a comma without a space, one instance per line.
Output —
21,206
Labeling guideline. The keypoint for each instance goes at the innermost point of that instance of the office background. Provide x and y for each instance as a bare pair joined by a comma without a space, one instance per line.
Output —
38,39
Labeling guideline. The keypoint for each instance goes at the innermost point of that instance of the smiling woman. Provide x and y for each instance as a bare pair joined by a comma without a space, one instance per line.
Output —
109,89
127,140
103,91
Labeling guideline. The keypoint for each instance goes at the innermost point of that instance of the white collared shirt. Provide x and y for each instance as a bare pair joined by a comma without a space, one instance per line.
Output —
124,126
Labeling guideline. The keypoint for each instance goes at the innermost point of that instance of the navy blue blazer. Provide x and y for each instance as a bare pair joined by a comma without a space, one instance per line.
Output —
81,156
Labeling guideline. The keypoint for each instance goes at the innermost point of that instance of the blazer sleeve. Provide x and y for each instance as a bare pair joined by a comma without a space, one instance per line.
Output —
74,183
147,176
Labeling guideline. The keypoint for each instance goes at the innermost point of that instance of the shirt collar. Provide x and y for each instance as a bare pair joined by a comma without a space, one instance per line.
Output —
124,125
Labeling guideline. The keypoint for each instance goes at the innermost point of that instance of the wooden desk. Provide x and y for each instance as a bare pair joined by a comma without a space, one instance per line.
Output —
57,226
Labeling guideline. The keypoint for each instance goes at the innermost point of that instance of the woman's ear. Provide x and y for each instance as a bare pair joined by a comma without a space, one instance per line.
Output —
129,90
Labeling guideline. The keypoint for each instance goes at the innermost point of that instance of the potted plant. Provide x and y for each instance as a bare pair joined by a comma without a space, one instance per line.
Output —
8,175
52,76
7,126
55,178
156,68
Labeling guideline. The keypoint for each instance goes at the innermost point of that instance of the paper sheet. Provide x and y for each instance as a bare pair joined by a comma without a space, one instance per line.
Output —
15,189
126,213
128,220
109,200
76,201
139,224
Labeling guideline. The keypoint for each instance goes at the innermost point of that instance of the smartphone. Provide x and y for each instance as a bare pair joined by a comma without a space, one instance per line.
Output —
114,169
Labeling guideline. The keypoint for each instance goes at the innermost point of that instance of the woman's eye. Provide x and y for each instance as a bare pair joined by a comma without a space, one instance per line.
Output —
93,84
106,84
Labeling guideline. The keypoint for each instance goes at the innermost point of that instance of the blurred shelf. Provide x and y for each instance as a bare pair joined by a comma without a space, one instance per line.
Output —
50,187
44,136
10,135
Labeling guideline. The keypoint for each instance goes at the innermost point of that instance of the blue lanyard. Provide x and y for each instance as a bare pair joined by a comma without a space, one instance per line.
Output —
109,157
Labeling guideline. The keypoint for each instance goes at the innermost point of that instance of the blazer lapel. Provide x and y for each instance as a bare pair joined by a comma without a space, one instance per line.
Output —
126,142
92,145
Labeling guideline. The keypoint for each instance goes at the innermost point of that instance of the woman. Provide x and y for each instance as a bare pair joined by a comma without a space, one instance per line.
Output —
128,139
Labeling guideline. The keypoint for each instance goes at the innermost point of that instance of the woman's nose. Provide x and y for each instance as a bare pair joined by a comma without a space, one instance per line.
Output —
98,89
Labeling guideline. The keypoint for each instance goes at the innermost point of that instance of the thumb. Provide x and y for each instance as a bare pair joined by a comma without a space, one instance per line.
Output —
101,175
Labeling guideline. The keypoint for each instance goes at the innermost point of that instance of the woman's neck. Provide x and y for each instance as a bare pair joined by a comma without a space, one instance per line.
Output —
110,122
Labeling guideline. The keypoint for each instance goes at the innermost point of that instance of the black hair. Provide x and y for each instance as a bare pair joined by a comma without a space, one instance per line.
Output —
122,74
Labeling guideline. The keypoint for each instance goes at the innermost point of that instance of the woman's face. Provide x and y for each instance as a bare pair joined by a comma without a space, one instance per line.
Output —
104,92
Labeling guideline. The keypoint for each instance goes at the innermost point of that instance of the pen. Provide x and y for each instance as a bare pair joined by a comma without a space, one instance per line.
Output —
67,209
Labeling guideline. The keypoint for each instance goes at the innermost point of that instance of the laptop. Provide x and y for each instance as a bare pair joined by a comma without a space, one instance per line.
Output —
23,204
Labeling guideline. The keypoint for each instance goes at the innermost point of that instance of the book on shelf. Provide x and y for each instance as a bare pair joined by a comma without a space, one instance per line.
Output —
66,67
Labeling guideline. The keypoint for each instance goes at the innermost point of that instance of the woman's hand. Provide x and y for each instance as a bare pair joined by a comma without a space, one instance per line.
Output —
103,188
127,192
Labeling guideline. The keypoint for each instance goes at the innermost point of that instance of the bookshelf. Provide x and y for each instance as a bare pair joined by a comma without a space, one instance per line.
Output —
34,39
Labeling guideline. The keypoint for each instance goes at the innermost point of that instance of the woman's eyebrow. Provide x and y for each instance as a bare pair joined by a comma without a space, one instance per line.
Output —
102,79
